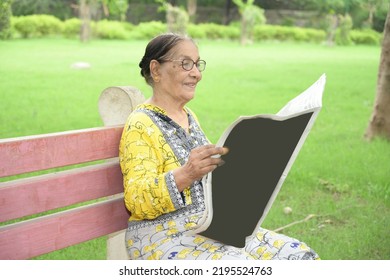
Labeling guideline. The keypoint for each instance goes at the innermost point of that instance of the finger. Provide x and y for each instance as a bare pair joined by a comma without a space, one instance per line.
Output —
219,151
205,151
205,147
208,169
211,161
225,150
208,166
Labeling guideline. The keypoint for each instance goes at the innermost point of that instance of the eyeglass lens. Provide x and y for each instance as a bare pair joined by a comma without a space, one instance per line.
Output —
188,64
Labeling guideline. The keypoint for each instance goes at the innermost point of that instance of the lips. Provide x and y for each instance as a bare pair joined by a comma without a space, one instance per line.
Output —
191,85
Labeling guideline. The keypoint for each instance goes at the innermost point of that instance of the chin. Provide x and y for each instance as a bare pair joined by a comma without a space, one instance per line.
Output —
189,95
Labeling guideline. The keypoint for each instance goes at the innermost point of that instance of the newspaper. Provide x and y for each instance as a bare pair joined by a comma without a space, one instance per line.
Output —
262,149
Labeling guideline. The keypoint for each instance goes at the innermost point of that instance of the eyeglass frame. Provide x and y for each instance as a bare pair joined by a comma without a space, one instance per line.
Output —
193,63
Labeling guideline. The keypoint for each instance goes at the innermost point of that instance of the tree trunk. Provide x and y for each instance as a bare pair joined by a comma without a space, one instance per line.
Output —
191,8
244,31
380,120
333,22
371,12
85,16
227,17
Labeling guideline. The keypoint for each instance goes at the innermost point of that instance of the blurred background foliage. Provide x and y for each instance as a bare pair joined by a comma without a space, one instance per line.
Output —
341,22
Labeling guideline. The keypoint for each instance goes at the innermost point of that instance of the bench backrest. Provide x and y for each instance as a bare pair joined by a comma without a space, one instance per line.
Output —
97,179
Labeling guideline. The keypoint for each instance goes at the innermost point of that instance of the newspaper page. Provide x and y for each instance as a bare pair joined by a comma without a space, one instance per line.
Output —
262,149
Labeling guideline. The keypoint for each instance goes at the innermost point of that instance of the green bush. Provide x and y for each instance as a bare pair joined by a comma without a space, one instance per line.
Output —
232,32
196,32
72,28
288,33
106,29
147,30
365,37
216,31
315,35
25,25
264,32
37,25
48,25
103,29
128,26
212,30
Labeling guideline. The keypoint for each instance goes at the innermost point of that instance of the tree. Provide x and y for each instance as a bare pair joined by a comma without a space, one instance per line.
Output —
250,16
115,8
332,22
5,19
61,9
177,17
227,16
118,7
191,8
372,6
379,124
344,28
85,16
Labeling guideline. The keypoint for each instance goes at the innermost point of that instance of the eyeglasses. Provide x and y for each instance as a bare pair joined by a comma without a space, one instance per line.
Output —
188,64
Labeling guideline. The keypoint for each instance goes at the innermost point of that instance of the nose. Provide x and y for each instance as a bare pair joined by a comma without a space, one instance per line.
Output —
195,73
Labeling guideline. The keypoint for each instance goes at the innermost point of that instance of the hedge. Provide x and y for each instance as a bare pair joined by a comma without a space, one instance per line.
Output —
147,30
288,33
365,37
37,25
46,25
105,29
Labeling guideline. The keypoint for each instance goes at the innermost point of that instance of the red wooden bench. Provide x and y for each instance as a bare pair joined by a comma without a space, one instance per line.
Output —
91,193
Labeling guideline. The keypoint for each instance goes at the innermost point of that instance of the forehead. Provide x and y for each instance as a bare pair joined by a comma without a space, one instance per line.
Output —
186,48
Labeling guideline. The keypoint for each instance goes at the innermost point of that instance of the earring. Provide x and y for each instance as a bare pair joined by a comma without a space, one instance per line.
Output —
156,79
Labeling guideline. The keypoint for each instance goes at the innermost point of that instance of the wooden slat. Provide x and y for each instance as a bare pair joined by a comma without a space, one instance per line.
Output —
39,152
46,234
29,196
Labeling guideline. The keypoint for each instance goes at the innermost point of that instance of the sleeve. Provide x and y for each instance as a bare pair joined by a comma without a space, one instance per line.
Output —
149,191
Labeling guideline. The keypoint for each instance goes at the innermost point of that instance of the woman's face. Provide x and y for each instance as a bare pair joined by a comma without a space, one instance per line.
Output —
174,81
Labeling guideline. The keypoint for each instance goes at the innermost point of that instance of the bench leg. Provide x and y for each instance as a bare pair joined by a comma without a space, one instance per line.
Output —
116,249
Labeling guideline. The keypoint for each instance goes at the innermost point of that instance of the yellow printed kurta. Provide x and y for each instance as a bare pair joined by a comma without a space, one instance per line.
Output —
150,148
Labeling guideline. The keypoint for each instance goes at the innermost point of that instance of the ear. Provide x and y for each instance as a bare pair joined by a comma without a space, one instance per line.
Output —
154,67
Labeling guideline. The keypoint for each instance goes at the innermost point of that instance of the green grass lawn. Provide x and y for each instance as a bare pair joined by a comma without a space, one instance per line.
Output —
338,176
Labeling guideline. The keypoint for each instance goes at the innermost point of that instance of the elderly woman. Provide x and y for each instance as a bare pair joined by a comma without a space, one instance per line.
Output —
164,154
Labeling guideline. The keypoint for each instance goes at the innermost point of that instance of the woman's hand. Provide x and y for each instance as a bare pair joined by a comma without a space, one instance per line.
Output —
201,161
